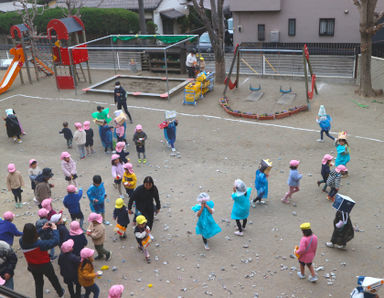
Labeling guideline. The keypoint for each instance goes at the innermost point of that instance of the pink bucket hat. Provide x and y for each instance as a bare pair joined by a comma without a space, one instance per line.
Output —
129,167
67,246
86,125
47,204
8,215
139,127
71,188
115,156
86,253
116,291
11,168
31,161
95,217
79,126
64,154
326,158
341,168
43,212
74,228
294,163
119,146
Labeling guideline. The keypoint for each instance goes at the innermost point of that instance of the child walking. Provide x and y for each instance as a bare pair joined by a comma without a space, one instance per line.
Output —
206,225
169,126
241,205
80,138
67,134
96,230
33,172
88,137
129,180
47,204
96,195
139,139
68,165
116,291
122,153
307,251
45,234
325,170
117,172
293,181
334,180
76,233
120,215
86,273
106,137
342,148
143,236
324,122
261,181
72,203
14,183
69,264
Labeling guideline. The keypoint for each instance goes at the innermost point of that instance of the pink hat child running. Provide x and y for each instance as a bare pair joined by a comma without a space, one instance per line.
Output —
119,146
8,215
74,228
95,217
116,291
11,168
86,253
67,246
71,188
139,127
31,161
64,154
341,168
129,167
86,125
47,204
43,213
294,163
326,158
79,126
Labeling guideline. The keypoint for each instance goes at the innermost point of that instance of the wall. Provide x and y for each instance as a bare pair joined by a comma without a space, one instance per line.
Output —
165,5
259,5
377,73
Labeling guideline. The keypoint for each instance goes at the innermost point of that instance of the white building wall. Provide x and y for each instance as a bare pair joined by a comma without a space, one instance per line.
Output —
165,5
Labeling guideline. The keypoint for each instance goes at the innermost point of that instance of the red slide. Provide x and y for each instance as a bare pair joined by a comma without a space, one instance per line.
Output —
13,69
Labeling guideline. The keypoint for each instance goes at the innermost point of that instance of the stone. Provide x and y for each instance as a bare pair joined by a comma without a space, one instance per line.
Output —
294,213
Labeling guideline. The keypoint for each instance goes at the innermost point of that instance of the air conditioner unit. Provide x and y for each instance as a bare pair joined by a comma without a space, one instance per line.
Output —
275,36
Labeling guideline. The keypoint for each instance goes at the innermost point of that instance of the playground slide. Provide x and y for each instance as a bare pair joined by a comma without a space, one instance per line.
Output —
13,69
46,69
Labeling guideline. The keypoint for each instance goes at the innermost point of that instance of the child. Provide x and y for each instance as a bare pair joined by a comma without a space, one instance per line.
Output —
120,150
342,149
13,126
240,209
69,264
143,236
293,181
324,121
119,129
72,203
261,181
307,251
120,215
106,137
87,274
334,179
169,126
67,134
139,138
33,172
116,291
8,229
45,234
14,183
96,230
120,96
88,137
68,166
47,204
120,125
80,138
76,233
129,179
206,225
60,224
117,172
325,169
96,195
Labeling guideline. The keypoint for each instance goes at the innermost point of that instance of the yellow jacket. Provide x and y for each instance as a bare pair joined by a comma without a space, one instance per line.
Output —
86,275
131,179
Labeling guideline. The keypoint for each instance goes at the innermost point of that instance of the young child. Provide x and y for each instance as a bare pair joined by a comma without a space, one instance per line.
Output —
106,137
60,224
139,139
334,180
76,233
122,153
120,125
116,291
169,126
88,137
86,273
120,215
240,209
47,204
342,148
45,234
12,125
129,179
325,170
261,181
72,203
67,134
143,236
14,183
293,181
33,172
206,225
8,229
80,138
117,172
96,230
68,165
306,252
119,129
96,195
69,264
324,121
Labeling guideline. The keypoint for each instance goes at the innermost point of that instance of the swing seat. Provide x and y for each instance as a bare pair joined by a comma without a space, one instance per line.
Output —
254,89
285,91
230,84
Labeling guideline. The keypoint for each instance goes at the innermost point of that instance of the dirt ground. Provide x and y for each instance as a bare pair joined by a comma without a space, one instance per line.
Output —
215,149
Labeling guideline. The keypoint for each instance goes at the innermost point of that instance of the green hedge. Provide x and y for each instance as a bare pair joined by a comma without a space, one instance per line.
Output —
7,20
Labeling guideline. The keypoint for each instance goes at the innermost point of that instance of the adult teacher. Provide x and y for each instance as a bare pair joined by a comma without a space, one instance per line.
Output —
100,116
144,196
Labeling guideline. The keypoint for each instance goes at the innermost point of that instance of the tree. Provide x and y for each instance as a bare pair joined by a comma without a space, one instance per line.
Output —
215,28
72,7
143,26
369,25
28,13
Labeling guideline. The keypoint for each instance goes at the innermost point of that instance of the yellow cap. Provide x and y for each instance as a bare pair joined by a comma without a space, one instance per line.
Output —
305,226
141,219
202,58
119,203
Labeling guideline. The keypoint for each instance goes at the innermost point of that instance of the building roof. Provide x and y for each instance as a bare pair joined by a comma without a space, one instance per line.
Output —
207,3
13,6
126,4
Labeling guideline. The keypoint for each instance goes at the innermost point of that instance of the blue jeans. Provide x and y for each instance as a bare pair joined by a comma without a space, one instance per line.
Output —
327,133
94,289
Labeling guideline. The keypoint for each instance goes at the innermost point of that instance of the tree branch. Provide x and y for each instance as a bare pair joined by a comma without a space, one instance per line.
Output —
374,29
357,3
377,17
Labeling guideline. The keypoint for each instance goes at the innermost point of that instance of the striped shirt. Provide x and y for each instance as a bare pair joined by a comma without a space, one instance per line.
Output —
334,179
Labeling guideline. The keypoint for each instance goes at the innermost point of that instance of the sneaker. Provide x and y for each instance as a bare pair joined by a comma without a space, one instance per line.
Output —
139,160
318,183
206,246
301,276
16,205
99,257
20,205
19,141
148,259
340,246
144,160
15,139
63,292
313,278
108,256
173,149
238,233
329,244
285,201
320,140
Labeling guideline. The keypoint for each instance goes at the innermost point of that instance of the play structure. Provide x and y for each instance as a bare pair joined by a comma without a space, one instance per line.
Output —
199,87
287,94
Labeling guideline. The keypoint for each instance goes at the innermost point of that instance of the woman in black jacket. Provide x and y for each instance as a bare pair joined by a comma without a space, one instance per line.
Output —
144,196
8,260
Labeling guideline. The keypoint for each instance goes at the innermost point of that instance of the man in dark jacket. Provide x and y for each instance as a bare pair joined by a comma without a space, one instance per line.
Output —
120,97
8,260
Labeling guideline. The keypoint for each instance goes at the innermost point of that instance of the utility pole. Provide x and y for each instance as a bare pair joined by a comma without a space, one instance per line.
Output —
143,26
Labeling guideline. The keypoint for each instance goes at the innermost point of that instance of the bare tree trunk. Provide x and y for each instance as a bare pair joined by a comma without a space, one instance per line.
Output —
220,65
143,25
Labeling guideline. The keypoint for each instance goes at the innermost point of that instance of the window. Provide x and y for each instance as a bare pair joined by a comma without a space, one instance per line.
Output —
291,27
261,32
327,27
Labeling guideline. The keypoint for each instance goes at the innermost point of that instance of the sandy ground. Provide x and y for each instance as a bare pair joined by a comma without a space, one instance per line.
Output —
215,150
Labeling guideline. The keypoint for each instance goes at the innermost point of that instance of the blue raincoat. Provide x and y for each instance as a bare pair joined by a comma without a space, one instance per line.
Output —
261,184
325,122
98,193
342,155
206,225
240,209
170,133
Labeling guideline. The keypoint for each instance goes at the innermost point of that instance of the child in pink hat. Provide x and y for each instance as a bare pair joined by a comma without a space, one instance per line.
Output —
122,153
325,170
129,179
45,234
14,183
87,274
72,203
80,138
88,137
96,230
69,264
76,233
47,204
33,172
334,180
8,229
293,180
139,138
117,172
68,165
116,291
